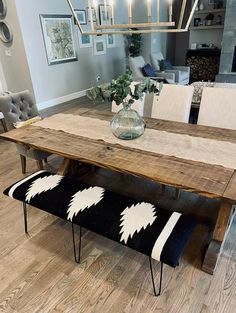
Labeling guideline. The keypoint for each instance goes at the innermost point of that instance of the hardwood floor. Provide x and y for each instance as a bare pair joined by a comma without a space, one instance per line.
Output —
38,274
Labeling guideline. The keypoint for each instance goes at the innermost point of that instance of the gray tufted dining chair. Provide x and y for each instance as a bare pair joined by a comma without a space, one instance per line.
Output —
18,107
2,120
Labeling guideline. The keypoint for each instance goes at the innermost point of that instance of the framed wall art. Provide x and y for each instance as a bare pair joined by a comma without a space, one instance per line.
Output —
82,16
111,41
93,14
104,16
85,41
99,45
58,34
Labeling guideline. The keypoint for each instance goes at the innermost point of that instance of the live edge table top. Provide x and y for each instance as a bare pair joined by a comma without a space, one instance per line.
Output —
212,181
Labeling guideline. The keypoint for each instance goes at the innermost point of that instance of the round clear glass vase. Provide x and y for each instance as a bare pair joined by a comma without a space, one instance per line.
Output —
127,124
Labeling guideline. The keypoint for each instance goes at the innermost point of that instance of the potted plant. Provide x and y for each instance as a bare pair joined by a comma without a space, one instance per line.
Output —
135,43
127,123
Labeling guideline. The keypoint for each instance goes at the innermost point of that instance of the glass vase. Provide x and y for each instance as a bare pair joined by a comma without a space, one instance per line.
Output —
127,124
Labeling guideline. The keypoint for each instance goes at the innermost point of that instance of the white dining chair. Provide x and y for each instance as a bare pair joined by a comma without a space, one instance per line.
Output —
218,108
173,103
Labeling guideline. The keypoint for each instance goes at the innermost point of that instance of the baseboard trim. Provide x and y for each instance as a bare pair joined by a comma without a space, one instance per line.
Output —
56,101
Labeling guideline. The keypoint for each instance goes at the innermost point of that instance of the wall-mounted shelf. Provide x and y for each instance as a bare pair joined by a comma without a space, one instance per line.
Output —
209,11
207,27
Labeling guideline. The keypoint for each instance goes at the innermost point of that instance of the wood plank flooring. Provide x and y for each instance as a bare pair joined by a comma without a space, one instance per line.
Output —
38,274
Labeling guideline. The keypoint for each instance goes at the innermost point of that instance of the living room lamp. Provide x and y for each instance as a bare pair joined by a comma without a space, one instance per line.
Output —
102,18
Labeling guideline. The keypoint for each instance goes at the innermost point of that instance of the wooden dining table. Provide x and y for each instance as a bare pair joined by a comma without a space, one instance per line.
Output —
209,180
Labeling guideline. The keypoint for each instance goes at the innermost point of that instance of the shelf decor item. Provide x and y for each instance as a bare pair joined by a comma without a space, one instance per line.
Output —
127,124
212,2
196,21
209,19
201,6
58,36
219,4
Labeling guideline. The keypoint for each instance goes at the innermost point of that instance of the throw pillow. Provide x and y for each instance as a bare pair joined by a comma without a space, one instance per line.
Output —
165,65
148,71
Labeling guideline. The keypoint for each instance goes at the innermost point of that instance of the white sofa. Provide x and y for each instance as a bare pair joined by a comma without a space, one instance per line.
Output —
137,63
181,73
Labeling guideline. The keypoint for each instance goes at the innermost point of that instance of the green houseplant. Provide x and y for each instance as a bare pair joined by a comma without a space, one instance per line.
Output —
135,44
127,123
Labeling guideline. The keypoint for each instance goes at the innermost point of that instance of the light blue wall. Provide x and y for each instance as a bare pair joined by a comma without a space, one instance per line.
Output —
28,67
62,79
153,42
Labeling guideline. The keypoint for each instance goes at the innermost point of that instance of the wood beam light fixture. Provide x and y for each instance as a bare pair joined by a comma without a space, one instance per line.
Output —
102,18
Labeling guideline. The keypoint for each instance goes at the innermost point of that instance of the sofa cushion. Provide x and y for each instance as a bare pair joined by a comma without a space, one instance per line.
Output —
148,71
165,65
183,75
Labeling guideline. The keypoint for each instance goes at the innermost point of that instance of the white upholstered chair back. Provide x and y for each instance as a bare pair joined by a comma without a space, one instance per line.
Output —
136,64
138,105
173,103
155,59
218,108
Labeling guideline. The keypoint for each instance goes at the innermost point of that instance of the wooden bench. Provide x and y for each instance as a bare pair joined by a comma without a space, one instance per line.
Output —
148,229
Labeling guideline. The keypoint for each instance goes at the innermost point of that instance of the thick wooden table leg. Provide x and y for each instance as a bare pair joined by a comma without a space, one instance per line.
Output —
63,167
219,234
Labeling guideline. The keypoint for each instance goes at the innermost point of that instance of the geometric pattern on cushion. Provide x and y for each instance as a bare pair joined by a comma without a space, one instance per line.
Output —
146,228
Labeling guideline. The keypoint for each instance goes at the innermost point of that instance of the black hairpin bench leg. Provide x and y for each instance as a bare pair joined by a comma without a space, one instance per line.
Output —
77,260
25,218
161,276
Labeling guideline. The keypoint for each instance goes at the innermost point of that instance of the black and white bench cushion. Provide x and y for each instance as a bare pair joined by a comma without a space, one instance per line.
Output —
141,226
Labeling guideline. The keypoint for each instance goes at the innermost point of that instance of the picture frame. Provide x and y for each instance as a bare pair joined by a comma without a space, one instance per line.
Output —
85,41
99,45
196,21
93,14
59,38
104,18
111,41
82,16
